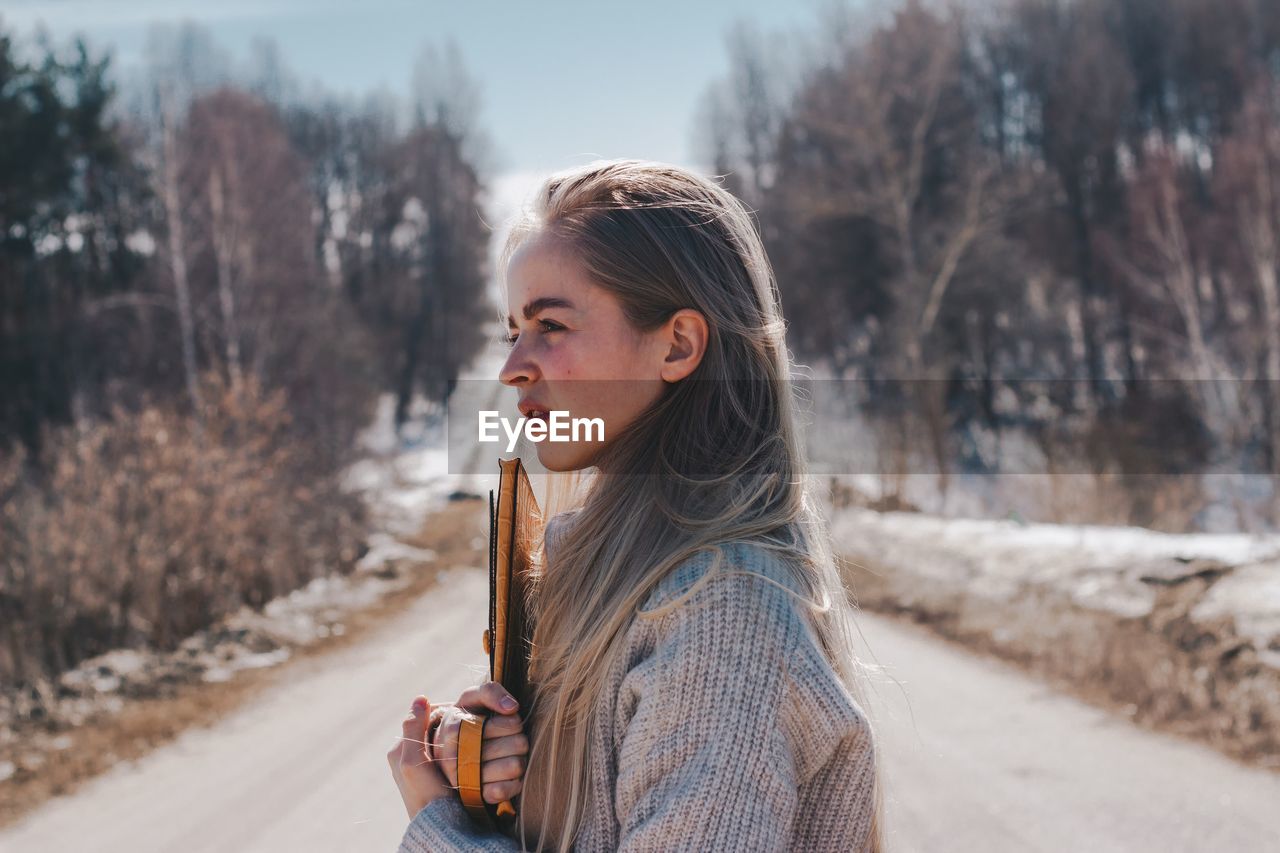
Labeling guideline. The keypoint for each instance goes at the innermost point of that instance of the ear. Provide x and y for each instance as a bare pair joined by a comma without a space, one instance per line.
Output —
685,338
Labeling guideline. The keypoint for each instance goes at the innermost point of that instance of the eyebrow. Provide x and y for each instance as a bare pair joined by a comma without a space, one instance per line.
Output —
539,304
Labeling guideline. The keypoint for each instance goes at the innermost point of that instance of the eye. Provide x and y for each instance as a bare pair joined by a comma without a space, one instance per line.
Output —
544,325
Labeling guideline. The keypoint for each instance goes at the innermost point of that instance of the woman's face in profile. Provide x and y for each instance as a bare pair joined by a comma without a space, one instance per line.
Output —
573,350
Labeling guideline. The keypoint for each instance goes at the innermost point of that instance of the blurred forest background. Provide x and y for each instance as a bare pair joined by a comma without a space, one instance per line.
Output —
1057,220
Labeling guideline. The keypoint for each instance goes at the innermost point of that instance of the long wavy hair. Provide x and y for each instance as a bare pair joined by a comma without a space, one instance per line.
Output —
717,458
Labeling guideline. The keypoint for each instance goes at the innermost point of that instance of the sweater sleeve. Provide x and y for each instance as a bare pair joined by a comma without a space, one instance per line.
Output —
705,762
443,824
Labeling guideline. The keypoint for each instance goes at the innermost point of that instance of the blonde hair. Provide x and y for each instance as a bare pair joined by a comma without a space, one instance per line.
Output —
717,458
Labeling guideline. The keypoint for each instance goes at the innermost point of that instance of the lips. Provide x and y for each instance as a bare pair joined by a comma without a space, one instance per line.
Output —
533,410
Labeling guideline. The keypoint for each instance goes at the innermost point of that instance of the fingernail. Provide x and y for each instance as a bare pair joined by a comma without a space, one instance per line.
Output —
419,704
508,703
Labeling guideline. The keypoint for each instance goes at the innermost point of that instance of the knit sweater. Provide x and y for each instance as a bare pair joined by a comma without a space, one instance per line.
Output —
721,726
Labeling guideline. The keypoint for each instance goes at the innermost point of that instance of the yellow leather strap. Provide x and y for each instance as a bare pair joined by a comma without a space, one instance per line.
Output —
470,740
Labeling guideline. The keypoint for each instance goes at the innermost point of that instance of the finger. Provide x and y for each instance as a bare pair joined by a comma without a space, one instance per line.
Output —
504,746
502,725
447,750
438,722
438,713
495,745
502,769
498,792
496,727
448,733
487,697
413,728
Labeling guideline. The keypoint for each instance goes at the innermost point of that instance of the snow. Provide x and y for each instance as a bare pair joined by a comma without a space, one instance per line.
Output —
1104,544
384,547
1099,567
403,476
407,476
245,661
1251,596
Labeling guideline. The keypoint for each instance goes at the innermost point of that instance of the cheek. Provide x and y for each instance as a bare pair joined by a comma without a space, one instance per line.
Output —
617,401
585,356
560,363
600,376
608,354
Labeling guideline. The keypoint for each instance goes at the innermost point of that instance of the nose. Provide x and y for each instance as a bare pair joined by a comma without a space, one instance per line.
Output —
518,369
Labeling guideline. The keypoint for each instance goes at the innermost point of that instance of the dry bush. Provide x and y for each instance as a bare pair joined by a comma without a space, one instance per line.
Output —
1138,466
1170,503
146,528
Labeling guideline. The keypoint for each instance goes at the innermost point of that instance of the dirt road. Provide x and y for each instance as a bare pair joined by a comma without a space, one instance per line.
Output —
983,759
300,769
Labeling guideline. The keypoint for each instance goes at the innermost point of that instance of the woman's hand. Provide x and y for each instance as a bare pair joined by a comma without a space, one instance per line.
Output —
417,776
502,752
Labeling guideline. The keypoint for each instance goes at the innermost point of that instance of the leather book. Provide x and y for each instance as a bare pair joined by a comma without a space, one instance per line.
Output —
515,530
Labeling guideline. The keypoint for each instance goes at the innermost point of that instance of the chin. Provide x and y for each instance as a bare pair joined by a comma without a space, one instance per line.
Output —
564,458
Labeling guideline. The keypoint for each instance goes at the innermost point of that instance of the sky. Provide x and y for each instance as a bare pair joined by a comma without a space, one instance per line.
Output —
561,82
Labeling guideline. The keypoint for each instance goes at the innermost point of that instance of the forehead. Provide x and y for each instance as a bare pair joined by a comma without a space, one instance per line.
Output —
543,267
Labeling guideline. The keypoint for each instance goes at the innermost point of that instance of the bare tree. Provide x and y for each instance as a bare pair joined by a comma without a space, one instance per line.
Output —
175,230
435,294
249,222
892,130
887,147
740,117
1164,261
1250,187
445,94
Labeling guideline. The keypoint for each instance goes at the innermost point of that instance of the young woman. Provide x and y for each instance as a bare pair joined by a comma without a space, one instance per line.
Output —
695,672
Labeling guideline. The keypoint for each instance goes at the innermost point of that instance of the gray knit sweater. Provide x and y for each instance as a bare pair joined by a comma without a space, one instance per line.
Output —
721,727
